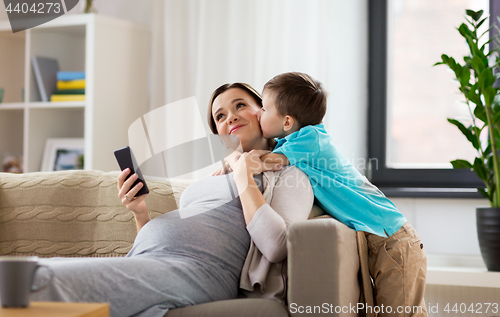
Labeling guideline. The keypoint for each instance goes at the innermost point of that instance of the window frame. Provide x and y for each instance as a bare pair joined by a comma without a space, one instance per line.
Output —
404,182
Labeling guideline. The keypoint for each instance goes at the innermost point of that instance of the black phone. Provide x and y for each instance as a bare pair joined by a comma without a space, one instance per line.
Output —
126,159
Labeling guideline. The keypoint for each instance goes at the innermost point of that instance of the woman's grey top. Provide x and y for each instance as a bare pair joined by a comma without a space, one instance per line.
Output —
185,257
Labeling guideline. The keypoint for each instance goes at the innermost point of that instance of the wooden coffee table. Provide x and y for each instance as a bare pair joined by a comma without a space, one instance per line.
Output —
58,309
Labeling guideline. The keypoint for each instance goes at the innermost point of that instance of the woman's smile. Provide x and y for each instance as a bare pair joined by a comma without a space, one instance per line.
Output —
235,128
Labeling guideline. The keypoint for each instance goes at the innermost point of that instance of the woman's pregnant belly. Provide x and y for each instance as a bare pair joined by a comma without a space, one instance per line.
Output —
216,235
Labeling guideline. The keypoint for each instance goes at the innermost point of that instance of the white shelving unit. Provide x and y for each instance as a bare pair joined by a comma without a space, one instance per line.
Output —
114,55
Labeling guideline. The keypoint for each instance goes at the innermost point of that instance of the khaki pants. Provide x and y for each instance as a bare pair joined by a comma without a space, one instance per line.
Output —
398,266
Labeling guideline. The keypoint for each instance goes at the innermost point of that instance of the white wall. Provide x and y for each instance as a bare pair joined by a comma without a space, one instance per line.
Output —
252,41
348,93
446,226
340,62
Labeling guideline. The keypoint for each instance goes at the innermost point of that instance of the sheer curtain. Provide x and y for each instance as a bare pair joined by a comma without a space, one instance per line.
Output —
198,45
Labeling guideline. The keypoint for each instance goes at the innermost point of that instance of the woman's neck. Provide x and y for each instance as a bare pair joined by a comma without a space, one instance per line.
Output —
260,144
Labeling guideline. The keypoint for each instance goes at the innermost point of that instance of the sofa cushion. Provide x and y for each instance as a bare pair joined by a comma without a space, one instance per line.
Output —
247,307
73,213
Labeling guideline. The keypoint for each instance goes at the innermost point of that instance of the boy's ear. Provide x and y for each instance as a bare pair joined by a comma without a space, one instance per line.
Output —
289,123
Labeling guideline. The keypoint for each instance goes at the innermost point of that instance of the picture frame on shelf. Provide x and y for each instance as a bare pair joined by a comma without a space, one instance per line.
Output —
63,154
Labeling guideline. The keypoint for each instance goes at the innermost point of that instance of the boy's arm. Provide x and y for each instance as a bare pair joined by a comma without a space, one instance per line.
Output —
304,147
275,158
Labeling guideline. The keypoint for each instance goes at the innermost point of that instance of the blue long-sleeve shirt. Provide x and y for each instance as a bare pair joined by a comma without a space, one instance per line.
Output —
338,187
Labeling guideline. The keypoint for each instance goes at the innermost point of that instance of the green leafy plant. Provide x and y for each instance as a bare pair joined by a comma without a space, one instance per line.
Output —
89,7
477,76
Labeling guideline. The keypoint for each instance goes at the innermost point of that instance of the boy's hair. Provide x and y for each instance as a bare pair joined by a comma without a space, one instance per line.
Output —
300,96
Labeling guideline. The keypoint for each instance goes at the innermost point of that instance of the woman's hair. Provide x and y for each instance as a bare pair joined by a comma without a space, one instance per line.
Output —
246,87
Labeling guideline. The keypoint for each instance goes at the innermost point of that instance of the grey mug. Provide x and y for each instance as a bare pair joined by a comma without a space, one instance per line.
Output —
16,279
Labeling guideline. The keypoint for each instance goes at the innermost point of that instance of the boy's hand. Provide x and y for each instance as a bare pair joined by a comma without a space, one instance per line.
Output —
268,162
275,158
250,163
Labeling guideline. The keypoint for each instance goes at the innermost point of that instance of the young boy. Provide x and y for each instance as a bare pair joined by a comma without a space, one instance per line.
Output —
294,105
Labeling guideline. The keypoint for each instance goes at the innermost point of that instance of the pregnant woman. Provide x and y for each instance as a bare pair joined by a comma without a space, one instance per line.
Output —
235,237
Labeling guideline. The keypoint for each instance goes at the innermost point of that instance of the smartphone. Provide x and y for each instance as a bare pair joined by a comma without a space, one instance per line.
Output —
126,159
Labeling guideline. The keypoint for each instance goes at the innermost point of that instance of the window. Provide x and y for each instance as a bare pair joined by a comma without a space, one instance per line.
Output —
409,100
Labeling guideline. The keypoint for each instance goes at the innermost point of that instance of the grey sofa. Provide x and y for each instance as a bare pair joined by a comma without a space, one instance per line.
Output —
78,213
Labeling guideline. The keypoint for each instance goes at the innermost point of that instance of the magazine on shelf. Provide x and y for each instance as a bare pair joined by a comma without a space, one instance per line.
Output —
65,75
45,70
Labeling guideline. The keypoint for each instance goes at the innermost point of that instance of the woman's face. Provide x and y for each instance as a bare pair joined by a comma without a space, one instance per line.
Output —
235,113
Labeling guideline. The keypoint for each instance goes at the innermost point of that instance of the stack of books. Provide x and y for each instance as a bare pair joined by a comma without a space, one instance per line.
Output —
70,86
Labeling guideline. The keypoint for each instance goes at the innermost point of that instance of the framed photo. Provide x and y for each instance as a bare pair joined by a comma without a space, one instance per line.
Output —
63,154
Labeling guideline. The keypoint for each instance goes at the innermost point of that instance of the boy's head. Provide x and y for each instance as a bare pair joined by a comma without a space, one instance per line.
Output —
291,101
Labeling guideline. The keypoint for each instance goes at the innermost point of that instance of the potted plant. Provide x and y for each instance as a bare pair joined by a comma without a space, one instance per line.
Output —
89,7
477,77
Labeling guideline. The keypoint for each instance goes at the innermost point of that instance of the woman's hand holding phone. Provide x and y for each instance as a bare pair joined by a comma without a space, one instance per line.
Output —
127,194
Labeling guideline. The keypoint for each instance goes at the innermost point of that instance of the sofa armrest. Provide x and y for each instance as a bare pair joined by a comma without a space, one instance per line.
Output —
323,267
